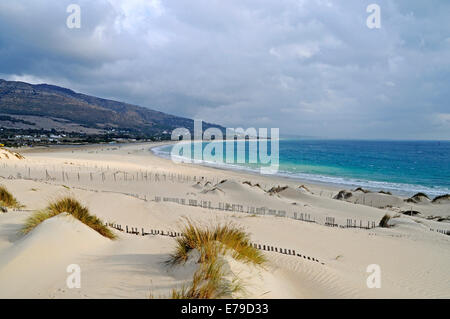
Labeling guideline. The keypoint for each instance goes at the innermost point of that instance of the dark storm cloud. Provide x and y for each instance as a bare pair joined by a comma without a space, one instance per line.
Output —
310,67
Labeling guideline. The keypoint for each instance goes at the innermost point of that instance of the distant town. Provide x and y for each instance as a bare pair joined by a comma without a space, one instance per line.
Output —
31,138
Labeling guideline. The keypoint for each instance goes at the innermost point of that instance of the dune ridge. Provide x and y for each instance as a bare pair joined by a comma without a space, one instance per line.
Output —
120,184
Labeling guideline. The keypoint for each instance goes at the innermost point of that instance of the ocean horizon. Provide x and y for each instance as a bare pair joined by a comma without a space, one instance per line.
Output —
400,167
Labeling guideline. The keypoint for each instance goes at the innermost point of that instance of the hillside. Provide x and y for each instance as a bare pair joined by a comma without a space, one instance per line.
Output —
43,106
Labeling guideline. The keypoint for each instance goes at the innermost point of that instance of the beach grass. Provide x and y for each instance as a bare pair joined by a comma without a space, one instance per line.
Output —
420,194
384,222
212,242
7,199
208,283
441,197
73,207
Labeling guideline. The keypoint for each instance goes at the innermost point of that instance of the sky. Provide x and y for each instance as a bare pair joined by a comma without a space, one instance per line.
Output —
308,67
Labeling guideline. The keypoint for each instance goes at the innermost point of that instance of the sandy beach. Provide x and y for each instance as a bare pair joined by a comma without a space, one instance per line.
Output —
317,246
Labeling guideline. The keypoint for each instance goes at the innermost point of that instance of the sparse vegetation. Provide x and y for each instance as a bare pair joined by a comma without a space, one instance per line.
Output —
365,191
421,195
277,189
73,207
7,199
384,222
441,197
410,212
212,243
208,283
417,198
343,194
305,188
9,154
250,184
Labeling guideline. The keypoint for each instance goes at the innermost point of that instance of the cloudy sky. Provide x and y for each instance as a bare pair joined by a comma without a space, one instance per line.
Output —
309,67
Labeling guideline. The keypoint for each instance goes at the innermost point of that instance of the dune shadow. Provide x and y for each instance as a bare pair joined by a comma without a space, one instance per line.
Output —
11,232
148,266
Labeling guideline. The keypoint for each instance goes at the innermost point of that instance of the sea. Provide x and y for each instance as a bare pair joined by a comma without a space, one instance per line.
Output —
400,167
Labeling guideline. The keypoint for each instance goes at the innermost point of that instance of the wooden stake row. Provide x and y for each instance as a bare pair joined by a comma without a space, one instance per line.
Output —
116,176
230,207
157,232
442,231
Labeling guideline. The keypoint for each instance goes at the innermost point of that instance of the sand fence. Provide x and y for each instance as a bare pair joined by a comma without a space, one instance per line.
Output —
159,232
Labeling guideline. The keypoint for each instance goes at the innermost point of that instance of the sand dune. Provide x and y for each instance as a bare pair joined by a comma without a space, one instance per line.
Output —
39,258
9,155
418,202
120,184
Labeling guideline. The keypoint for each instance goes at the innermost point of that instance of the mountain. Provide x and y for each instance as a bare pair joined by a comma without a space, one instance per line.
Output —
24,105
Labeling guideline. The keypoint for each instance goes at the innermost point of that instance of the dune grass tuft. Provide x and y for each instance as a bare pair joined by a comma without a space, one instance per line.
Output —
208,283
35,220
420,194
384,222
73,207
210,241
441,197
213,242
7,199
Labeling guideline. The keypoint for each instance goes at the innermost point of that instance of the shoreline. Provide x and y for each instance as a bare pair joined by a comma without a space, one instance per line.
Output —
251,173
243,172
145,154
318,179
131,187
329,186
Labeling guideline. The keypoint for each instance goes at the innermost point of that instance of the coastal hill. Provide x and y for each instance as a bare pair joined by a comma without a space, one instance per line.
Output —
43,106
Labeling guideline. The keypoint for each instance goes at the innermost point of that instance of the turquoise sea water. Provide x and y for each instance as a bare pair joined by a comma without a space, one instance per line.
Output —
402,167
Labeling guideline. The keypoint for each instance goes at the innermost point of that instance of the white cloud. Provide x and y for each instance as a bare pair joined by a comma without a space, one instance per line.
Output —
135,15
302,51
442,119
